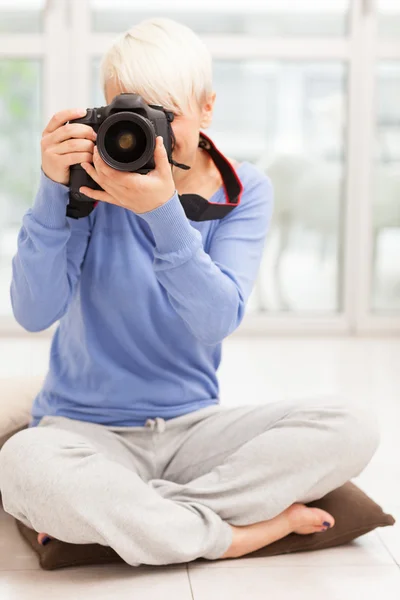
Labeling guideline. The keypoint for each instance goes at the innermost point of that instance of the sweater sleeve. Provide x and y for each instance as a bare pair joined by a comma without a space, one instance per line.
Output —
210,290
50,252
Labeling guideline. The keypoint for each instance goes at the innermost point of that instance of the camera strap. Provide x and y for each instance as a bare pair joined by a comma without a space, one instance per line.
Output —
198,208
195,206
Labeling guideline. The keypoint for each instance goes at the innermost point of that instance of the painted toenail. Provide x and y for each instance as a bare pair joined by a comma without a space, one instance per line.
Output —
46,540
326,524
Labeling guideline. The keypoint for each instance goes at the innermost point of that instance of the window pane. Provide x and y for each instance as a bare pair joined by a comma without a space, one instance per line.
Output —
270,18
289,119
20,124
21,16
386,193
389,18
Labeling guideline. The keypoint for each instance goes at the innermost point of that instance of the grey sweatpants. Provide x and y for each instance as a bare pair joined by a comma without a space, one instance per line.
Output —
165,493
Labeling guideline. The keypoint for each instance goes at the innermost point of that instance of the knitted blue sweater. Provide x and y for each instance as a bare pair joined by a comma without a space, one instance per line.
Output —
143,301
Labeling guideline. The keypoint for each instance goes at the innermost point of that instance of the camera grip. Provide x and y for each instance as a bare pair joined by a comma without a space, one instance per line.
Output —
80,205
79,178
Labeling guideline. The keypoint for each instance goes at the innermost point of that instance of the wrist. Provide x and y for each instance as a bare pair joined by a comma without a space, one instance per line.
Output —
62,180
49,208
159,203
170,227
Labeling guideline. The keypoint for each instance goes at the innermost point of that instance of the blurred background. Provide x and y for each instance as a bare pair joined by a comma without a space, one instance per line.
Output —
308,90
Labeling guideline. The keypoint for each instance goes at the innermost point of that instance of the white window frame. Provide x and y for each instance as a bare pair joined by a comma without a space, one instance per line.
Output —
68,40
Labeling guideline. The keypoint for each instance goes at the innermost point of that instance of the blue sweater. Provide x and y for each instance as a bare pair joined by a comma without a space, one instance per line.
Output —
143,301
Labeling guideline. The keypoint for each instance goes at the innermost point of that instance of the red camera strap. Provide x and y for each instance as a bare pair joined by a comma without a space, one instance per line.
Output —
198,208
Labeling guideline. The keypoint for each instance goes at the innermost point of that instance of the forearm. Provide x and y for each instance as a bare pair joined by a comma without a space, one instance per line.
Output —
40,287
206,298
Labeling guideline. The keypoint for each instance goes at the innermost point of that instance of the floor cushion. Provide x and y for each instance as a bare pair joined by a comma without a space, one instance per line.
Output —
355,514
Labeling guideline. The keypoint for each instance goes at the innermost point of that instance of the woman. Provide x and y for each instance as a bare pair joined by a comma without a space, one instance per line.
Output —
129,446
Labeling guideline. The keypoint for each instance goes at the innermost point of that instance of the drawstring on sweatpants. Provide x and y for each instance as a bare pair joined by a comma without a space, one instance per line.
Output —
157,424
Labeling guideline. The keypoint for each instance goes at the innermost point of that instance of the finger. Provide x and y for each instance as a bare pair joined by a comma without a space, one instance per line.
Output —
104,182
67,132
77,158
71,130
73,145
62,117
97,195
91,171
120,178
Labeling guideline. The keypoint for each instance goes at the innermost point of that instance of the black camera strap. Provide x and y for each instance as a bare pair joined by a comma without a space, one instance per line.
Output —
195,206
198,208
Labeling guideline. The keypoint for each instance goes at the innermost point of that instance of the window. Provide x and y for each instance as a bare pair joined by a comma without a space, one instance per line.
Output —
20,16
389,18
307,90
20,120
288,118
386,192
255,17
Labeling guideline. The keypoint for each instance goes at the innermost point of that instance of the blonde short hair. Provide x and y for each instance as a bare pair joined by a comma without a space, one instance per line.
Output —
162,60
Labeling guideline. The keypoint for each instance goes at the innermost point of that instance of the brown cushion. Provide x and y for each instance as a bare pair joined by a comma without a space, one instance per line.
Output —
354,512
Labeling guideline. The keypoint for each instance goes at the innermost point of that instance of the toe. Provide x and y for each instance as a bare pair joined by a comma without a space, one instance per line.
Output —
321,518
43,538
327,519
304,519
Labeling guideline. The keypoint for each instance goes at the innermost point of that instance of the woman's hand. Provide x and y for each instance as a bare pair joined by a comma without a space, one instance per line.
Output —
137,192
65,145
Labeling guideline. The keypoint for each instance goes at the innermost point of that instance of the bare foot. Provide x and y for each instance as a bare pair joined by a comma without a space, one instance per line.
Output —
298,518
305,520
42,537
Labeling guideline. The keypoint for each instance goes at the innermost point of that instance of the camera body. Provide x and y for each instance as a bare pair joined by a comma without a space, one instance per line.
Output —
126,138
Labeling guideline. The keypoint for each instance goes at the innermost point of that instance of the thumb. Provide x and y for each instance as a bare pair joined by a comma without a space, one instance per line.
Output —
160,155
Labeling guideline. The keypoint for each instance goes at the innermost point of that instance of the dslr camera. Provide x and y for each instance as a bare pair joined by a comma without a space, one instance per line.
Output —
126,138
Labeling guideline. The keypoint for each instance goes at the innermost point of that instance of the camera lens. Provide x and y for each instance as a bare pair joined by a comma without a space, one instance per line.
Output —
126,141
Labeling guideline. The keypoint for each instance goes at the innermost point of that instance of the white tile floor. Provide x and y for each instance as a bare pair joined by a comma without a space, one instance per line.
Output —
253,370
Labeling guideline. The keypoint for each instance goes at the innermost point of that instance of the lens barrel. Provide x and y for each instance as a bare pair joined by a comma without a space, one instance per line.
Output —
126,141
